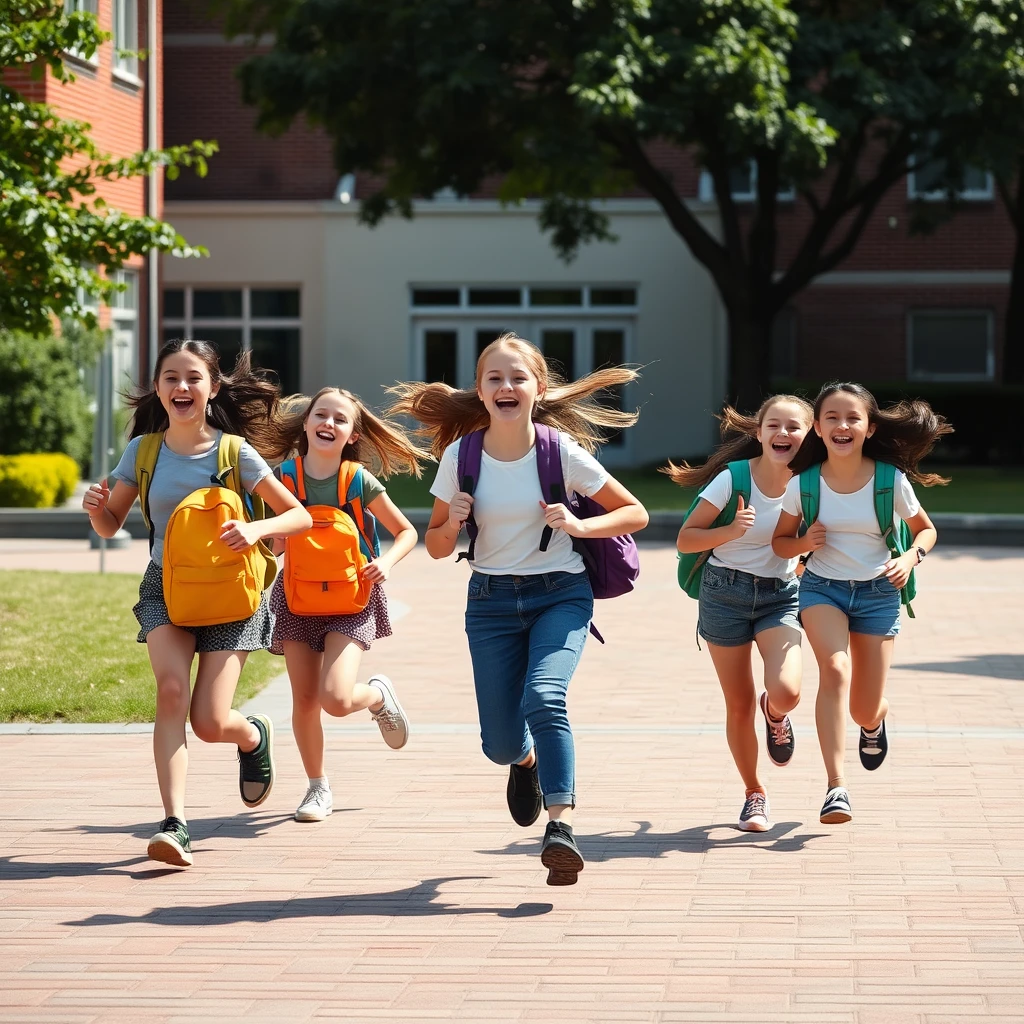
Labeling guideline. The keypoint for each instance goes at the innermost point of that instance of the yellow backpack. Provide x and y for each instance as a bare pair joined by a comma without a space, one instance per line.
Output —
205,582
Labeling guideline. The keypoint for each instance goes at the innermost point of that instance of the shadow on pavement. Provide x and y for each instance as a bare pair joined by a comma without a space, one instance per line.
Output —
415,901
990,666
14,870
243,825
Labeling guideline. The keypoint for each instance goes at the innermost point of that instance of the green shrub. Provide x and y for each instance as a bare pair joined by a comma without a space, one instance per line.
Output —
37,481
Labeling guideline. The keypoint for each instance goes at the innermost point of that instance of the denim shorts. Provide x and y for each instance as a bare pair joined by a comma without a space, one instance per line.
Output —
872,606
735,606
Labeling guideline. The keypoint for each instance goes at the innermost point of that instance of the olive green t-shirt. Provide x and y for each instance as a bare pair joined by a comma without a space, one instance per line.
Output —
325,492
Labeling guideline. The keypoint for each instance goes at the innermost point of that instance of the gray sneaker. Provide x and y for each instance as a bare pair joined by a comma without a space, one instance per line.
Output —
836,810
391,719
316,804
755,814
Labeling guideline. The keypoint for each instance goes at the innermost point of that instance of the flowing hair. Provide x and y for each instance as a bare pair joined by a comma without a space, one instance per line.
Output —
905,434
573,407
382,445
248,402
739,441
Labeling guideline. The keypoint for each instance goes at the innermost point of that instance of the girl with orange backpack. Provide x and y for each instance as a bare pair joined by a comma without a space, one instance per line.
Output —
533,553
194,460
747,593
329,602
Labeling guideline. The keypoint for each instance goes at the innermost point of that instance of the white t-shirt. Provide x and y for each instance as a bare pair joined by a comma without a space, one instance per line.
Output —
752,552
507,510
854,549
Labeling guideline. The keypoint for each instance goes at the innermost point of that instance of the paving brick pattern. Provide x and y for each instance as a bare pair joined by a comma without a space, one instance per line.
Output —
419,900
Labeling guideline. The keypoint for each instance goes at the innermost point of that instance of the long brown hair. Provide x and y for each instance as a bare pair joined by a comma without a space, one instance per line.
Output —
382,445
739,441
248,402
905,433
573,407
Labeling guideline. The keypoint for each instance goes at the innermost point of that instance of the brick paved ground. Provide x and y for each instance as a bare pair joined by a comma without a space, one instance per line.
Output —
419,900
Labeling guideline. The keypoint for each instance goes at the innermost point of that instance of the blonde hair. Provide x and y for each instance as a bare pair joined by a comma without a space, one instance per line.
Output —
383,446
573,407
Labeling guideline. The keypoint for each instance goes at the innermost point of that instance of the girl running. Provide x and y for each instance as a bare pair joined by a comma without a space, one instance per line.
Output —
530,604
850,591
748,594
323,652
192,403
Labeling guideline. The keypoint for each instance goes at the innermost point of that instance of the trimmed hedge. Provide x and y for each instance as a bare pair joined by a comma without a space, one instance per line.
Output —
37,481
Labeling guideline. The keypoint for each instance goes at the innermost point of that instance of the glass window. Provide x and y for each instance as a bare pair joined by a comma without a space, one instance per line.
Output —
216,304
227,340
951,344
277,349
441,361
558,347
485,335
126,37
610,350
436,297
275,303
613,296
174,303
495,297
556,296
172,334
929,181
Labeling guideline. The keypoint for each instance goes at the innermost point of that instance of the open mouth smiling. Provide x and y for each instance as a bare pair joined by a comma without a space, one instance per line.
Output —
782,446
507,403
841,440
323,435
183,403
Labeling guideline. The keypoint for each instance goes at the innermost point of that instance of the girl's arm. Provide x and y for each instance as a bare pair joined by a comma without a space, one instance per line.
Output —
897,570
291,517
446,524
696,534
623,514
108,509
786,543
400,528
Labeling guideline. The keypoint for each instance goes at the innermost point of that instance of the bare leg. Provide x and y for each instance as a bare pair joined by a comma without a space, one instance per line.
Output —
213,718
783,667
871,656
736,678
828,631
304,669
340,694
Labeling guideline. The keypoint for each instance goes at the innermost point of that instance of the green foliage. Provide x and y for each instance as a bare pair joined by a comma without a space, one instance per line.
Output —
36,481
56,233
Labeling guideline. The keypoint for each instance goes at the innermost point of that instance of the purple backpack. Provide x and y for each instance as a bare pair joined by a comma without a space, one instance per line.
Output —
612,563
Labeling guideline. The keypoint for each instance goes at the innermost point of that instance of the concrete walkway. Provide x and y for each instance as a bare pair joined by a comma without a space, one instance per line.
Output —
419,900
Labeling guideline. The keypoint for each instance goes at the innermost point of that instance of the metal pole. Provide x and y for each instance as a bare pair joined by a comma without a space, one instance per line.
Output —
152,185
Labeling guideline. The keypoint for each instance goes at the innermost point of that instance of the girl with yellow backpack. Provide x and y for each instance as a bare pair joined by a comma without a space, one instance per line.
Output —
194,462
329,602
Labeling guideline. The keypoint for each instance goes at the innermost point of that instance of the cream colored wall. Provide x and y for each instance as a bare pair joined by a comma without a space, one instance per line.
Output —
357,328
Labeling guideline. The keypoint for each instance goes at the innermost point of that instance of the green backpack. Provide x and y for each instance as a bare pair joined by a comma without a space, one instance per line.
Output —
690,570
897,535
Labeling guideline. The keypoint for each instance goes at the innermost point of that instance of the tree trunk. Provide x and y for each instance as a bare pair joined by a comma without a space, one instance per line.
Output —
750,336
1013,343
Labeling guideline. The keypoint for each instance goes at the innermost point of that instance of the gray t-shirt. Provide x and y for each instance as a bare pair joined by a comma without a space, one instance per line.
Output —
325,492
177,476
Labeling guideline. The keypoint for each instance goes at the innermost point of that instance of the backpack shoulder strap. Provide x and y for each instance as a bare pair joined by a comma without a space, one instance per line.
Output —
885,502
549,471
145,463
810,493
350,498
291,475
471,450
740,473
229,474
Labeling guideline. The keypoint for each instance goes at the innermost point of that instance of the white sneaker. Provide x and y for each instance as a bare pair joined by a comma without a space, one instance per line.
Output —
754,816
393,724
316,804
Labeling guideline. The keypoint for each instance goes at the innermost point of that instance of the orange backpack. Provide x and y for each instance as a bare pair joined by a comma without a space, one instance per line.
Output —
323,565
206,583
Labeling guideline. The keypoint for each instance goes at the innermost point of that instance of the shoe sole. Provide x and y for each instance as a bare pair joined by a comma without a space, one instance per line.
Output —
564,864
385,683
166,850
269,726
753,826
836,817
312,815
763,703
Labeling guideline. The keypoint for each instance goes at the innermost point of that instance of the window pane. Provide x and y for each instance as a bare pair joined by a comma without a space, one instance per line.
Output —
613,296
556,296
172,334
783,344
126,36
275,302
436,297
174,303
741,180
277,349
610,350
976,180
128,300
557,347
485,335
441,357
227,341
953,344
495,297
216,303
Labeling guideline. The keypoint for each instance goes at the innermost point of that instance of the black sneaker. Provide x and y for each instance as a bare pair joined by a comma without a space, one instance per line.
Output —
171,845
873,746
523,794
778,735
256,768
560,854
836,809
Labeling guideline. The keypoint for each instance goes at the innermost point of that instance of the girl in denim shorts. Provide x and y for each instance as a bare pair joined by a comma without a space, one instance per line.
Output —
850,591
748,594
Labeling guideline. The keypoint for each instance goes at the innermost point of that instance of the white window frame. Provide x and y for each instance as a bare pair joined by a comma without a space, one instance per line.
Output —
125,64
968,195
706,189
124,325
990,345
88,7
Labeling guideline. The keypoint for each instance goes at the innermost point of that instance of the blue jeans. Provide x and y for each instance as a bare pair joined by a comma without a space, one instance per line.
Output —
526,634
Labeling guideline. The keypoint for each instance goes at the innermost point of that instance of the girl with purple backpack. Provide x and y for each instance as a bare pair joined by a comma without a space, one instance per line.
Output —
523,439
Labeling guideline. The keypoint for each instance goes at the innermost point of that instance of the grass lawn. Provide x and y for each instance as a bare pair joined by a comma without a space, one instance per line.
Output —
972,489
68,651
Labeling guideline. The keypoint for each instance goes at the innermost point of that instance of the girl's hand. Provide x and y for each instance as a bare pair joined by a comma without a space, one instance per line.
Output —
375,571
95,499
240,536
815,536
459,508
744,519
897,570
558,517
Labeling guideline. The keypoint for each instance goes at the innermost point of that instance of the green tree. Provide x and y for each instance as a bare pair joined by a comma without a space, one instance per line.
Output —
57,235
564,100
